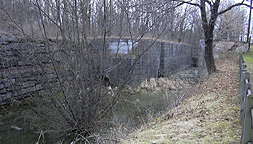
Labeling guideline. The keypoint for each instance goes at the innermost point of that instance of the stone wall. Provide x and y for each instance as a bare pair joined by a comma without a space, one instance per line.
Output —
24,65
175,57
152,59
20,68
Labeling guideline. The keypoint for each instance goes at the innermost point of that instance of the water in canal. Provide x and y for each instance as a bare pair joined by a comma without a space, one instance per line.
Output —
135,107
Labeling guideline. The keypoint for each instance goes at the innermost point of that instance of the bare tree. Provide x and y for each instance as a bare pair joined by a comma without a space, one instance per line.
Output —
209,13
232,24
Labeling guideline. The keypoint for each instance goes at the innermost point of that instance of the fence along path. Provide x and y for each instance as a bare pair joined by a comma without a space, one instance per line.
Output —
246,113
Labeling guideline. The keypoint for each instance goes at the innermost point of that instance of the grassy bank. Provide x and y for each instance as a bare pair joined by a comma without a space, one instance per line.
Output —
210,115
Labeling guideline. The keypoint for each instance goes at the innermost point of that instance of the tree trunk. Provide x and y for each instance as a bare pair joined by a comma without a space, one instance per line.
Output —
208,27
211,68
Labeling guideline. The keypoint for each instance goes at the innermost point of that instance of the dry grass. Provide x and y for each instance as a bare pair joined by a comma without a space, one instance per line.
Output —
210,115
160,84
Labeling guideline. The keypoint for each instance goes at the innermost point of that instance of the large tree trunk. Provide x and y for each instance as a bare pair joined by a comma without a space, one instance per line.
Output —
209,56
208,27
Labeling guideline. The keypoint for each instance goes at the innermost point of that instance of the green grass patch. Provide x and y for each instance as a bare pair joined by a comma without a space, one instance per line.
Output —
248,57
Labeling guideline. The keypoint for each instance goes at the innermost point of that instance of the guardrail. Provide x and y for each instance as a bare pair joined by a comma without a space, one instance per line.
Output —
246,113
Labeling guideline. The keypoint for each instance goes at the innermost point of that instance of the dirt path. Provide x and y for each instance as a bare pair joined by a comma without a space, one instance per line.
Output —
210,115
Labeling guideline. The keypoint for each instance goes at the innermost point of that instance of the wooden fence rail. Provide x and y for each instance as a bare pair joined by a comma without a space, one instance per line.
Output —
246,113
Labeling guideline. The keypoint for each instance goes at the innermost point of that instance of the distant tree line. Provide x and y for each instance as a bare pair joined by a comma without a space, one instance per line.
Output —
68,19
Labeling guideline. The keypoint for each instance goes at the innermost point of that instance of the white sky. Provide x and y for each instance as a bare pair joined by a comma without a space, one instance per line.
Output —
238,1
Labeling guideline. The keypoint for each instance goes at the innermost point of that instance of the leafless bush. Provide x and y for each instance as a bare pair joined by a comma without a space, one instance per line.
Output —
75,99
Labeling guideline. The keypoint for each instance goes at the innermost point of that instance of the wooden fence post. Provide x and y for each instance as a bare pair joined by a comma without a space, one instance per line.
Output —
244,76
246,112
247,134
243,99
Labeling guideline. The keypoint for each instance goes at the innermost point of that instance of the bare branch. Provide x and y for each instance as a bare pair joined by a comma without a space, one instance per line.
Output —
209,2
188,2
234,5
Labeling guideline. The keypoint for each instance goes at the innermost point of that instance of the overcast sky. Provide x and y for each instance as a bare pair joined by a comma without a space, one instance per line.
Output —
237,1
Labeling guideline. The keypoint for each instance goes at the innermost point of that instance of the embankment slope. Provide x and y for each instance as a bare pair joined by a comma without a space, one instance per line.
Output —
210,115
